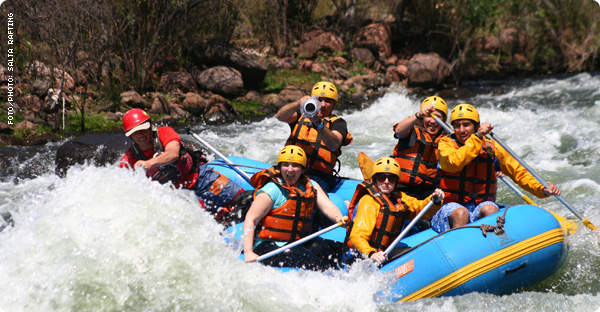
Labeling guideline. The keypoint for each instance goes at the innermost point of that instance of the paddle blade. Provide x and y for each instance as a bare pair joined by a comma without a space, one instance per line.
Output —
366,165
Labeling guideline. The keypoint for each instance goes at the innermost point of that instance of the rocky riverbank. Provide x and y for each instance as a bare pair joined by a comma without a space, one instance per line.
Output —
228,75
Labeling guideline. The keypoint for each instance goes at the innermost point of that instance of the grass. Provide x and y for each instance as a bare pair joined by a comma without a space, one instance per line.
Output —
278,78
250,109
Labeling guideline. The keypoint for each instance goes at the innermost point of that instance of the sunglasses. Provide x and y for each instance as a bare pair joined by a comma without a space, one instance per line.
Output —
385,176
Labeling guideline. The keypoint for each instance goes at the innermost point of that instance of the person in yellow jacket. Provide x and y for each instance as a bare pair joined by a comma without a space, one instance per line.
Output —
282,212
468,163
416,151
380,213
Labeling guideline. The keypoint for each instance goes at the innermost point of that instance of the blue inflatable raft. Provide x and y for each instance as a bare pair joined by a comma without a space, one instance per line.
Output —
530,249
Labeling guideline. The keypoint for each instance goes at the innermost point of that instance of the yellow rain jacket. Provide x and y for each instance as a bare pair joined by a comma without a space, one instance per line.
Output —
454,160
367,211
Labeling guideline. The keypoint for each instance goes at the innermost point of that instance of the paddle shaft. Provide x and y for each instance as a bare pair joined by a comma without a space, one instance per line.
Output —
408,227
535,175
298,242
216,152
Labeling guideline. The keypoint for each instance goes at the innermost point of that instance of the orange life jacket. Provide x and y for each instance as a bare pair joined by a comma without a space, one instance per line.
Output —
311,141
390,219
292,220
418,163
476,182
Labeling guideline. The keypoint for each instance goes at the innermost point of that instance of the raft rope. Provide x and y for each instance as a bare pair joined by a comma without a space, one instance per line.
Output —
485,228
497,229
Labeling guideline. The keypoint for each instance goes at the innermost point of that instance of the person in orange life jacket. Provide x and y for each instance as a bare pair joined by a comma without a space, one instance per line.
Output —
282,212
380,213
320,136
160,152
468,171
416,151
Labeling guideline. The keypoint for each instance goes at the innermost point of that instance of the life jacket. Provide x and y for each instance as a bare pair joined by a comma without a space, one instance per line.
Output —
418,163
187,163
390,219
476,182
311,141
292,220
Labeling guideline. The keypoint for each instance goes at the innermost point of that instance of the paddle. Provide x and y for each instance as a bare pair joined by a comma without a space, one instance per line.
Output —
366,166
408,227
568,226
535,175
300,241
216,152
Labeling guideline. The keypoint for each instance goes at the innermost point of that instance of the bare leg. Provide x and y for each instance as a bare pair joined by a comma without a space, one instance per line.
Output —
487,210
459,217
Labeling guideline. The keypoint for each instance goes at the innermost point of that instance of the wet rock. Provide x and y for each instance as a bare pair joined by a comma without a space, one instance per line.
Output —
97,149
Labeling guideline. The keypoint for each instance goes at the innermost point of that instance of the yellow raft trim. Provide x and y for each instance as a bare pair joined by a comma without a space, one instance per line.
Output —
487,264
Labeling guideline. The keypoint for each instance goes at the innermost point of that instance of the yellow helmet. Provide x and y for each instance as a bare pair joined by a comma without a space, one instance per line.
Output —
292,154
386,165
325,89
438,103
464,111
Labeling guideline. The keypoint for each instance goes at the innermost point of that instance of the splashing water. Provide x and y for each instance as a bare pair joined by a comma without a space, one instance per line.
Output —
107,239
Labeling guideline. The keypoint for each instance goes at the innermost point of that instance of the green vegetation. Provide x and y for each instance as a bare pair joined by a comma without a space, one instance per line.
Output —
250,109
112,46
278,78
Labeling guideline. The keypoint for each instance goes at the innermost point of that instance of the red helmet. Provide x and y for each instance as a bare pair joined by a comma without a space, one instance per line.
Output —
134,120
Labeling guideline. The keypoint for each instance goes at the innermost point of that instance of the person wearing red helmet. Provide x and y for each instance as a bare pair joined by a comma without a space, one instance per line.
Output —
160,152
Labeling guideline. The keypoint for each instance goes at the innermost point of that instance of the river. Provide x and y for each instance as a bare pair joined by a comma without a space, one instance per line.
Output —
104,239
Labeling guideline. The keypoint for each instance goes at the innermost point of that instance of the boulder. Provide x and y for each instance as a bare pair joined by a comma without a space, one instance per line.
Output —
427,70
251,67
38,69
272,102
178,83
219,111
160,104
319,40
41,86
194,104
178,112
68,83
133,99
287,62
376,37
97,149
363,55
5,128
291,94
221,80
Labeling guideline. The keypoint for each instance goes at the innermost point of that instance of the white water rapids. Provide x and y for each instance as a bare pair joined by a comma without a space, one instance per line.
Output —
105,239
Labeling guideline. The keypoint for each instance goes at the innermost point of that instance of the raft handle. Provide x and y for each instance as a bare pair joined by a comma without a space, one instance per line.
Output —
510,271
